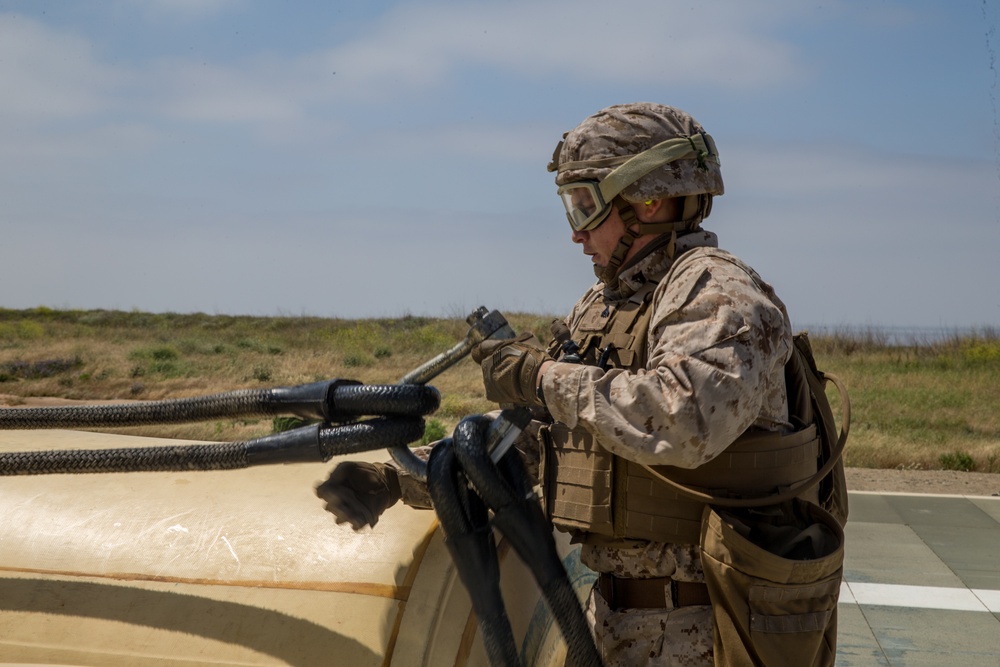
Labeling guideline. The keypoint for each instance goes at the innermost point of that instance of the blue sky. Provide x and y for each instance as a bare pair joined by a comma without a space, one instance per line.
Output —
376,159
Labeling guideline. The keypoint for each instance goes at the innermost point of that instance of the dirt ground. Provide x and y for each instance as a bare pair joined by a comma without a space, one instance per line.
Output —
950,482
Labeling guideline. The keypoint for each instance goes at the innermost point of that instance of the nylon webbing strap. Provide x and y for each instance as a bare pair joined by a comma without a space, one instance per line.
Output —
618,255
699,146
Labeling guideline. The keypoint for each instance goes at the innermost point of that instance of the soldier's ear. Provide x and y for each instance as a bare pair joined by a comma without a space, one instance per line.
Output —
658,210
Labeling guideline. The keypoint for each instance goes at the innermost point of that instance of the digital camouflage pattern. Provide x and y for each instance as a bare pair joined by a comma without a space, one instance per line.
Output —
625,130
716,350
717,345
718,342
656,637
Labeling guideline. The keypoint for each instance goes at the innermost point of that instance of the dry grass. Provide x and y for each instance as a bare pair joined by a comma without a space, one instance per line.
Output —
917,405
923,405
117,356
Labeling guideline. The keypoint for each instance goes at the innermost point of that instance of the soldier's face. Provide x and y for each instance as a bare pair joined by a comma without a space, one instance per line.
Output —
599,243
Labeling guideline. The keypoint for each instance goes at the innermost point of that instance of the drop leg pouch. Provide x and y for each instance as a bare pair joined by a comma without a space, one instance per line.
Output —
773,576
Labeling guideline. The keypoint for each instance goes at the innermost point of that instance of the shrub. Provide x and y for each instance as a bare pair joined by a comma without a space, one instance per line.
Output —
280,424
981,352
434,430
35,370
957,461
162,360
356,361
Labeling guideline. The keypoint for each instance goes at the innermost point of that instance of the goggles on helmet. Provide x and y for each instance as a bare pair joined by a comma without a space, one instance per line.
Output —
588,203
585,207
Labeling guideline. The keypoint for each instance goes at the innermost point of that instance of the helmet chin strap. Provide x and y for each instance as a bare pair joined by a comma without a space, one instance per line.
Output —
606,274
696,208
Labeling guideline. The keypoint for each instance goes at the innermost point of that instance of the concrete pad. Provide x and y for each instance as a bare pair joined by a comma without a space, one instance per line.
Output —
922,582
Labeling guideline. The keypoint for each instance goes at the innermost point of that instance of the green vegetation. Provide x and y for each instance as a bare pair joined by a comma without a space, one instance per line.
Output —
923,405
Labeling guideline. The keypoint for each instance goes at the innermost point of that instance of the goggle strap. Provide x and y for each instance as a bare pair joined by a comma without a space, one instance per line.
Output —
596,163
700,146
696,208
663,227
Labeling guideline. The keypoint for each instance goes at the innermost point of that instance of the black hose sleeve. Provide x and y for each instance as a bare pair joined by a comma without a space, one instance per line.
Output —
364,436
412,400
469,539
332,400
518,514
313,443
344,400
140,413
470,449
321,442
224,456
526,526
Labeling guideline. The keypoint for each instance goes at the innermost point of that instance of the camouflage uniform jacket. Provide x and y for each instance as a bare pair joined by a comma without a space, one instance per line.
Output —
717,344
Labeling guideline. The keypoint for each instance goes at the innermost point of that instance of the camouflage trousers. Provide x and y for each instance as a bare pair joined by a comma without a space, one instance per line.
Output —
657,637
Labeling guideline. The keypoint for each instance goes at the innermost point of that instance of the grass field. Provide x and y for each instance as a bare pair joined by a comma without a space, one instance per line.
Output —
921,405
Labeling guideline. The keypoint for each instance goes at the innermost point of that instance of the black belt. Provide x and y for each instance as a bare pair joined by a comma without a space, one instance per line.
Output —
655,593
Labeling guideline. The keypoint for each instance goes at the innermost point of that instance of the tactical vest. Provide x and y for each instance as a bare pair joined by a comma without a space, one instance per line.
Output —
599,496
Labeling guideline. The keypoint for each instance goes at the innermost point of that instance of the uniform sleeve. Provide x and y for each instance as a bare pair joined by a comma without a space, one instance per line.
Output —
717,346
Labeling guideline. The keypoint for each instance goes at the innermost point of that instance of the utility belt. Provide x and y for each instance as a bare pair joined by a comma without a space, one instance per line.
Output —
653,593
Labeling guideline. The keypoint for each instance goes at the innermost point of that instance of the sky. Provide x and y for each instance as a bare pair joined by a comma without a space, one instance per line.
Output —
388,158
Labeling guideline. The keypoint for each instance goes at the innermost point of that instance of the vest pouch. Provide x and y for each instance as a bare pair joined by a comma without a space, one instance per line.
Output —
577,481
773,576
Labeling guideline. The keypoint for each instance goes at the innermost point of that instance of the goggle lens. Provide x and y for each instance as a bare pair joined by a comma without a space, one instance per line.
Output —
585,209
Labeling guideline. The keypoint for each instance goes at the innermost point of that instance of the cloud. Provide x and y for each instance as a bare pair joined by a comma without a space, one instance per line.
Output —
724,44
846,236
410,49
265,170
47,74
187,10
255,92
818,169
855,235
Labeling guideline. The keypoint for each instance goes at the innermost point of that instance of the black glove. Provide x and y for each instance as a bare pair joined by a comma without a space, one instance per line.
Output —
358,493
510,369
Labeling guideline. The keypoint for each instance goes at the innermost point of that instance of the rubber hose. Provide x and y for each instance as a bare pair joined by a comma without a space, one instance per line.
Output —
469,539
518,515
525,525
334,400
314,443
415,400
365,436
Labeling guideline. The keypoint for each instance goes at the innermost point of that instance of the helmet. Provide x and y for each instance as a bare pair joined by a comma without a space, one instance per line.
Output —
630,153
606,141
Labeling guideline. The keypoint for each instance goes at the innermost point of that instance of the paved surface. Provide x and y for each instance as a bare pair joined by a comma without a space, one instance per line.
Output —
922,582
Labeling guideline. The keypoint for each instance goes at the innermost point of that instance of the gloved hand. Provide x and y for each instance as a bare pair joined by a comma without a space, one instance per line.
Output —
358,493
510,368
